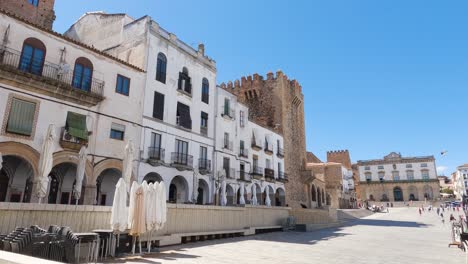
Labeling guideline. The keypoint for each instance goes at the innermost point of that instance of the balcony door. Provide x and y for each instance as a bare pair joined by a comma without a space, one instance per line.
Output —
83,74
181,151
32,56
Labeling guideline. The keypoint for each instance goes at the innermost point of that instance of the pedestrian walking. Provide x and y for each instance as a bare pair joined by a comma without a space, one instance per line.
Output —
419,211
442,217
452,218
438,210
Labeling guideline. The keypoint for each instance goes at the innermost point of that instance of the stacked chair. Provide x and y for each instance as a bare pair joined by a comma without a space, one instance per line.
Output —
56,243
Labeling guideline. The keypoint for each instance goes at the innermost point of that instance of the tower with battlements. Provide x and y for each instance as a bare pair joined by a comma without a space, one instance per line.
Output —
38,12
278,103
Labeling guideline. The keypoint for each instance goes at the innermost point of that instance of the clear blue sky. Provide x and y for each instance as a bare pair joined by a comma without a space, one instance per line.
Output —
377,76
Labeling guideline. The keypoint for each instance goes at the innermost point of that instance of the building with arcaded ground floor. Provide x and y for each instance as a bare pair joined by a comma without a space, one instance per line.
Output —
395,178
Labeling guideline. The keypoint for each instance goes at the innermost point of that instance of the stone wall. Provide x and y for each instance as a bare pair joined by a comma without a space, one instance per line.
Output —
278,103
417,188
340,156
43,15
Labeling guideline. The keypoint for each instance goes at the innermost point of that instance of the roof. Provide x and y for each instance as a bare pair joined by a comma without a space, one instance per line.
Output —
463,166
90,48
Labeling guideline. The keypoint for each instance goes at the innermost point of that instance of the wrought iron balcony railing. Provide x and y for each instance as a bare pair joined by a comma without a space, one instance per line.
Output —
204,165
244,176
156,153
256,170
269,174
183,159
56,75
280,152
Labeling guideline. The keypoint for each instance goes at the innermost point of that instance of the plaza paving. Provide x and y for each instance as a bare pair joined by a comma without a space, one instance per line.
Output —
401,236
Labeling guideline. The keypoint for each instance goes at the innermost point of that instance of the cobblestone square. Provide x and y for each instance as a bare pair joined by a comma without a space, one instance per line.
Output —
401,236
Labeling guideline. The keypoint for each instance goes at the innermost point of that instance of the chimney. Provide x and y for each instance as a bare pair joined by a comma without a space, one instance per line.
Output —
201,49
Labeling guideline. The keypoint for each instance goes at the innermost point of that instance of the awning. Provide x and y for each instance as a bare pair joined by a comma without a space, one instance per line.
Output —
76,125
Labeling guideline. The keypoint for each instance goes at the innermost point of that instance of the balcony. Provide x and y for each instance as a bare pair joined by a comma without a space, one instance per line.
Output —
228,113
204,131
52,80
243,153
244,176
268,148
282,177
70,142
257,172
269,174
182,160
230,173
227,145
204,166
155,155
280,153
256,144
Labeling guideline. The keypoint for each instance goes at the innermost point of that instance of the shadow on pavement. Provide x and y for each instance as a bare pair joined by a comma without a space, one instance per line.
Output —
389,223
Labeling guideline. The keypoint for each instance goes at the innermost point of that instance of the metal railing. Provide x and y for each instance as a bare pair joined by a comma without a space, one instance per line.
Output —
282,176
204,165
268,147
230,173
230,113
269,173
227,144
184,159
256,143
256,170
55,74
204,131
280,152
155,153
244,152
244,176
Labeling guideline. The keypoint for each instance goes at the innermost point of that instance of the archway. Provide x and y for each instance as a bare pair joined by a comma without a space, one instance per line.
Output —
371,197
319,200
105,185
413,193
229,194
271,195
203,192
328,199
178,190
397,194
280,197
428,194
152,177
313,193
16,179
62,180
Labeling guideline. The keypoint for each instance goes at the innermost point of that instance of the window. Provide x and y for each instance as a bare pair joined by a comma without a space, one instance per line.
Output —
368,176
183,118
226,166
381,175
123,85
205,91
32,56
204,123
367,168
161,68
241,119
410,175
21,117
423,165
181,147
117,131
158,106
181,153
425,174
268,163
380,167
204,164
82,74
155,151
226,107
34,2
226,141
155,140
396,175
184,81
409,166
280,168
203,153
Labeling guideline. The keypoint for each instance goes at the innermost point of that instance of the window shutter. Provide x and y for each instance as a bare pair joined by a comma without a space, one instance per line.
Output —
179,85
188,85
21,117
158,106
184,115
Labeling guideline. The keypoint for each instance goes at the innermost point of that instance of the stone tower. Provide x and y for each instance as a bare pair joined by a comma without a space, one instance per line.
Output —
38,12
340,156
278,103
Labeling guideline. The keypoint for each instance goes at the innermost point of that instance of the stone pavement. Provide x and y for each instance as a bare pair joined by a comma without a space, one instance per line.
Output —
401,236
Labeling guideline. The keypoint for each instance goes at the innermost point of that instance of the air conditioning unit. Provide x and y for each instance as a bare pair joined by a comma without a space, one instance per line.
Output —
69,138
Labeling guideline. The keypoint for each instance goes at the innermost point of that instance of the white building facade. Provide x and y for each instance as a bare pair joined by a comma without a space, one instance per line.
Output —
178,114
397,178
92,99
250,155
461,181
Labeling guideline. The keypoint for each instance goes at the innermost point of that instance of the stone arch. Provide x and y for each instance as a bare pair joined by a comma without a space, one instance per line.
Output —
105,186
280,197
178,190
428,192
203,192
230,194
16,177
313,193
153,177
398,194
23,151
67,156
413,193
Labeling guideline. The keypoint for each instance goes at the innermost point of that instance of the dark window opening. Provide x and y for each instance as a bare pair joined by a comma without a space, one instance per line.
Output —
158,106
161,68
